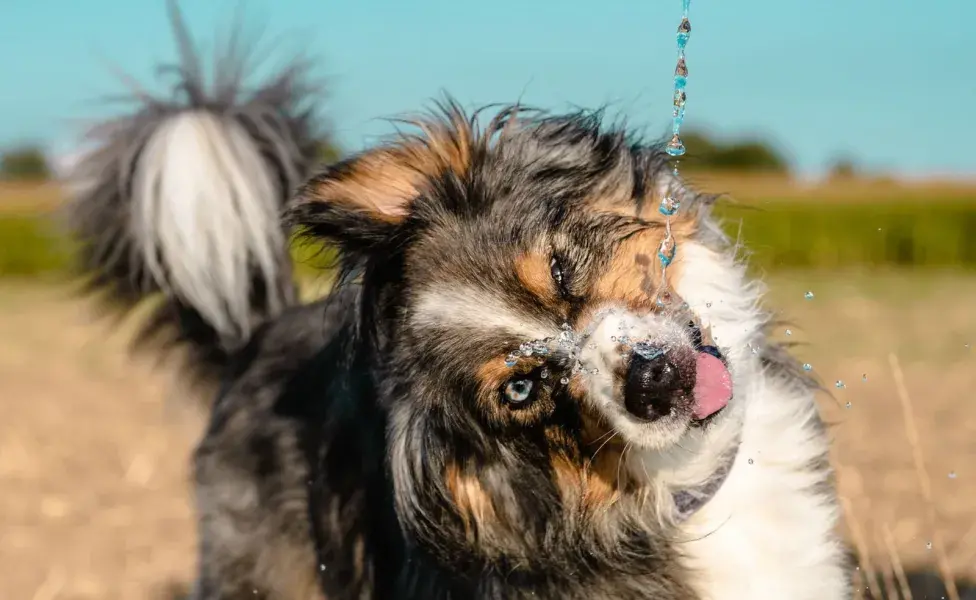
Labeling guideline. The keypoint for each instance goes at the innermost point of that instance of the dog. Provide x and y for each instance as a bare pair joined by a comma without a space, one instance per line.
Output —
493,401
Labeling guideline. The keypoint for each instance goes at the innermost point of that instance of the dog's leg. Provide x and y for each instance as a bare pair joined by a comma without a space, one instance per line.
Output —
255,539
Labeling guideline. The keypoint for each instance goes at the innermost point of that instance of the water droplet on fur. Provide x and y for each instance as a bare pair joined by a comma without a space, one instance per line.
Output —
595,372
928,545
544,373
647,351
848,405
789,332
564,380
808,295
807,367
751,461
511,360
839,384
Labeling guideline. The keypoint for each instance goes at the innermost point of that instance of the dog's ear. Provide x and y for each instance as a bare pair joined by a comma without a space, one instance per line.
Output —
360,202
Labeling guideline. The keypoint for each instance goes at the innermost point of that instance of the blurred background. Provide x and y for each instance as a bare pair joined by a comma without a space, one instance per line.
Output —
841,132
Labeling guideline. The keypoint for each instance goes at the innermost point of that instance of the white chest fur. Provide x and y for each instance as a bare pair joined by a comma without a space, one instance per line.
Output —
769,533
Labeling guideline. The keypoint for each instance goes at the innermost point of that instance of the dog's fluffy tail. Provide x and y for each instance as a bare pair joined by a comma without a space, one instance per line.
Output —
180,201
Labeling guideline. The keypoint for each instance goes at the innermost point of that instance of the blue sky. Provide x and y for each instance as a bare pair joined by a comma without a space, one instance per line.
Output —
891,83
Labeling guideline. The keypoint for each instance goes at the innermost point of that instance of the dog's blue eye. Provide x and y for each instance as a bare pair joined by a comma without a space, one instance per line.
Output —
518,391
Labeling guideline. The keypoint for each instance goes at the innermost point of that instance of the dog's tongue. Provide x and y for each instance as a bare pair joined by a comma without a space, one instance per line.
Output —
713,386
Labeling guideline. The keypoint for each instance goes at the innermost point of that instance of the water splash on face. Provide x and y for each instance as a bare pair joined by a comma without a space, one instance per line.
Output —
569,344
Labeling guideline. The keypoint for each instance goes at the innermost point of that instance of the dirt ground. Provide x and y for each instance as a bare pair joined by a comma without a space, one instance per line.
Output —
94,501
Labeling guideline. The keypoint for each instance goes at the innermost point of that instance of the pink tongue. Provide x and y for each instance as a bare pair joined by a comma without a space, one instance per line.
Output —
713,387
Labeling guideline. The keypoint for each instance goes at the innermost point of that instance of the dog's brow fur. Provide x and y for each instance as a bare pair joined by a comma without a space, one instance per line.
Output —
466,307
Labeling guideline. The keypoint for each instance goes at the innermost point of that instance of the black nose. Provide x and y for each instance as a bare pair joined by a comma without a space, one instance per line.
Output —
652,387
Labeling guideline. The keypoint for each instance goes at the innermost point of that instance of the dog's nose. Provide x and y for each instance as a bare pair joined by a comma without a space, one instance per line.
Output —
652,386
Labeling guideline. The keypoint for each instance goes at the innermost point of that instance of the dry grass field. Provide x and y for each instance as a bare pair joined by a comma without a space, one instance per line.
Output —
94,501
93,444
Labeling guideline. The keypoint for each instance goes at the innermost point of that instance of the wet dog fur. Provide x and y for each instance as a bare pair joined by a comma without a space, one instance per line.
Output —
360,446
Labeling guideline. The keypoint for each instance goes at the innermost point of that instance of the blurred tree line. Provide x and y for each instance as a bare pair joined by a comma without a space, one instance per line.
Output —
24,163
29,163
750,155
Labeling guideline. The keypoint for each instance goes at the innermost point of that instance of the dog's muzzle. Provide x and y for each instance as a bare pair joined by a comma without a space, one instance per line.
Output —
658,384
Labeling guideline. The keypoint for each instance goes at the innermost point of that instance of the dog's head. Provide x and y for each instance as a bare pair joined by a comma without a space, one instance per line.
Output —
510,279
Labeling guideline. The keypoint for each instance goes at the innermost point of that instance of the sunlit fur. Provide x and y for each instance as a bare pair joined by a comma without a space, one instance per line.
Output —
362,446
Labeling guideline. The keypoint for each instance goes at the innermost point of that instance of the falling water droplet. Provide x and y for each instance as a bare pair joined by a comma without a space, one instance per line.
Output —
848,405
321,567
751,461
681,69
669,206
680,98
789,332
952,474
864,377
839,384
807,367
928,545
675,147
684,32
666,251
808,295
708,305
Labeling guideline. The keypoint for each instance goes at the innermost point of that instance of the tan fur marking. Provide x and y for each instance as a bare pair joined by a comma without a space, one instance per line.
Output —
533,270
386,179
634,274
472,503
594,485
